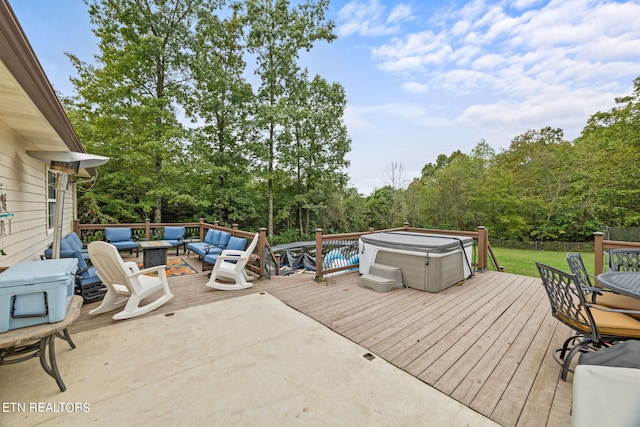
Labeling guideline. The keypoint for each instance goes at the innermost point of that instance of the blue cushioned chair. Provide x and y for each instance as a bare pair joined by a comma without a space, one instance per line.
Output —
88,284
122,238
68,245
175,236
234,243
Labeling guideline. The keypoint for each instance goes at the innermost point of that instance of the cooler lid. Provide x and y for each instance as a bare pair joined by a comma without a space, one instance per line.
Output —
32,272
402,240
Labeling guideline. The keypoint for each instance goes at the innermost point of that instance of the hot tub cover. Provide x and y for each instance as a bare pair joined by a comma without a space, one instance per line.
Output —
418,242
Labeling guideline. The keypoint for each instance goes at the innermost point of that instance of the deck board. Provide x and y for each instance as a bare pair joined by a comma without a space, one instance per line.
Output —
486,343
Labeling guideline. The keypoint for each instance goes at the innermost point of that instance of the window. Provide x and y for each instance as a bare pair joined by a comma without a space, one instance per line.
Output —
51,198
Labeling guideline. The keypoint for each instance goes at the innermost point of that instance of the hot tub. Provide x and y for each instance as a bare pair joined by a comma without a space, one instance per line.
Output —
429,262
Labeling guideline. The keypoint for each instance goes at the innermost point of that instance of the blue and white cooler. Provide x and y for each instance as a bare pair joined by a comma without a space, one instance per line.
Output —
35,292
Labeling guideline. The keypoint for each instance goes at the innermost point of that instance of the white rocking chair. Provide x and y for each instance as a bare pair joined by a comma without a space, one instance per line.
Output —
230,266
126,284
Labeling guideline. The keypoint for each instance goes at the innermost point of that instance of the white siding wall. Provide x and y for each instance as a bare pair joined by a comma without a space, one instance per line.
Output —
24,181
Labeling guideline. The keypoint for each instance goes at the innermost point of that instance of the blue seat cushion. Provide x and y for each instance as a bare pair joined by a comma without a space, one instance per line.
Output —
113,235
208,238
215,241
201,248
211,258
125,244
223,240
237,243
216,237
173,235
74,241
66,250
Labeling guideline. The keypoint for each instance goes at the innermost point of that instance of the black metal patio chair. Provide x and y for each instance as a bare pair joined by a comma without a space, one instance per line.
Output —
598,294
625,259
595,326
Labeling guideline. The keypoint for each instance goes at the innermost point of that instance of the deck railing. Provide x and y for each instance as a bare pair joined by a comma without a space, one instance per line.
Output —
193,230
601,246
334,252
339,252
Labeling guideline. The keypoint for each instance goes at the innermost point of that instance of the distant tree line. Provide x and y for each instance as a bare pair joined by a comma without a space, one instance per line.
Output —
205,111
542,187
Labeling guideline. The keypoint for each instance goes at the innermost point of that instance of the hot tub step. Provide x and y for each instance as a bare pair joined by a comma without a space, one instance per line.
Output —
386,271
382,278
377,283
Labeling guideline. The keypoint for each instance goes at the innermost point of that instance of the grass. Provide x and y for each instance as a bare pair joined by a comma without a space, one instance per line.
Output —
523,261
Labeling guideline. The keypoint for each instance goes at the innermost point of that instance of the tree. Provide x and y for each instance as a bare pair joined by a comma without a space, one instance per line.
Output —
126,103
315,157
219,101
607,156
277,35
395,181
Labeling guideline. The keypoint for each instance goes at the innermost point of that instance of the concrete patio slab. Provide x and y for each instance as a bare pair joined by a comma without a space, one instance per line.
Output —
250,360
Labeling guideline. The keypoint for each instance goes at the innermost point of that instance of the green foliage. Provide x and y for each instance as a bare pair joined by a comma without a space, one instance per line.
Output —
273,152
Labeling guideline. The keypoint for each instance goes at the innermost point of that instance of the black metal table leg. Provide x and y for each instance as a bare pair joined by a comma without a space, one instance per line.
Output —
50,367
65,336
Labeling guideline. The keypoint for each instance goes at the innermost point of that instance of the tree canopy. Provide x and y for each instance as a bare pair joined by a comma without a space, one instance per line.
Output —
206,112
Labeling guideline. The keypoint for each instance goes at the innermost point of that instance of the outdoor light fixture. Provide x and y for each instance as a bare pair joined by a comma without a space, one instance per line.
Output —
64,164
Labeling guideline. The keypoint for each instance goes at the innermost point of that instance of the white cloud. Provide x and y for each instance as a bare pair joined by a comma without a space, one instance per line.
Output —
559,43
400,13
368,18
415,87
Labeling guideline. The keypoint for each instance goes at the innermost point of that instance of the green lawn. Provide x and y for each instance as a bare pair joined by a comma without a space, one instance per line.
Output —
523,261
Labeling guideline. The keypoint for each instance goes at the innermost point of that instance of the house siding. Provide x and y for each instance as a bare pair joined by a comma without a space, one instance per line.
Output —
24,181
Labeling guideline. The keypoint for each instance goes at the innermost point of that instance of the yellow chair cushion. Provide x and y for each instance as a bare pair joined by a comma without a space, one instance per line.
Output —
613,300
609,324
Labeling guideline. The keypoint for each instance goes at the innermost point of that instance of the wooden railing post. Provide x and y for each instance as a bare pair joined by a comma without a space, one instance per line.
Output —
405,225
147,229
318,254
201,229
262,242
598,249
234,227
76,227
483,248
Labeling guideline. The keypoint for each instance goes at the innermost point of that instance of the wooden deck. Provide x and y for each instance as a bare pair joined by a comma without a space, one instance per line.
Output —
486,343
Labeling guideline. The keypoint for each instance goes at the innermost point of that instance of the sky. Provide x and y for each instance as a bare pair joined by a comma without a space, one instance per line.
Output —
429,77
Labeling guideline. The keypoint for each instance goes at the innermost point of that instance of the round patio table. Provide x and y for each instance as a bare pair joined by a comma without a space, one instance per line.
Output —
622,282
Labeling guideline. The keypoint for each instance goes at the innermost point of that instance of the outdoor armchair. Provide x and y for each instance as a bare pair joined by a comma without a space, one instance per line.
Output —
594,326
88,284
122,238
598,295
175,236
626,259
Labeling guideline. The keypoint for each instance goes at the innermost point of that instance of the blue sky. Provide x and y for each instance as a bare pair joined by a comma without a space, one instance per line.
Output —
425,78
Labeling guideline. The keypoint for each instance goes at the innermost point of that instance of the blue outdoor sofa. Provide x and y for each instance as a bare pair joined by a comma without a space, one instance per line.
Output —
215,241
69,244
